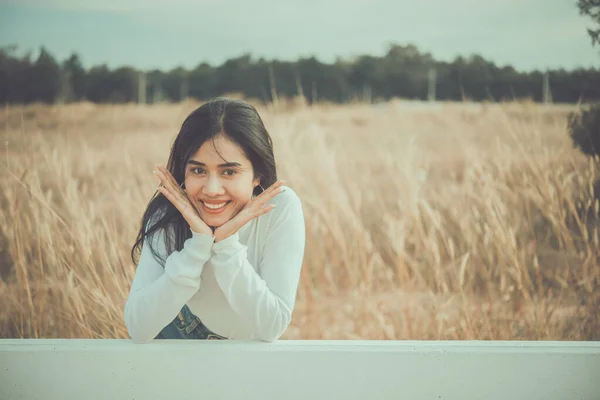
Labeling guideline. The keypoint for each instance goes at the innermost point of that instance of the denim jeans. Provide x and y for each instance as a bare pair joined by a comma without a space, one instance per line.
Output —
187,326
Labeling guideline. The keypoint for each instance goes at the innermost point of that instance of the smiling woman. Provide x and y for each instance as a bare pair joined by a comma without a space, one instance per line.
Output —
222,241
219,190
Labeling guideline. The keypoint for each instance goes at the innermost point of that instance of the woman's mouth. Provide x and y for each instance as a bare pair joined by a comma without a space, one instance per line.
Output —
215,208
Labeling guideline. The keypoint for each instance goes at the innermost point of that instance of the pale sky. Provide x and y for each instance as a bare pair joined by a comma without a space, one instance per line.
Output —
163,34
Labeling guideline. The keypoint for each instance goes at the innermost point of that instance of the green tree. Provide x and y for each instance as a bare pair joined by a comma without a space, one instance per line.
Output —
75,78
45,79
118,86
202,81
584,129
14,74
591,8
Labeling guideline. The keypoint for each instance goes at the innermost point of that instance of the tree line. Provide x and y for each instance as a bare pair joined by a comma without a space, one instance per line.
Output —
403,72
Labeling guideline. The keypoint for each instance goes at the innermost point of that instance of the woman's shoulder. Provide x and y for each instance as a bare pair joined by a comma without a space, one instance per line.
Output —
288,199
288,210
286,220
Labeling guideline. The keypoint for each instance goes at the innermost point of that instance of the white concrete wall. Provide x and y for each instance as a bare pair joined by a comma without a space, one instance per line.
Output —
79,369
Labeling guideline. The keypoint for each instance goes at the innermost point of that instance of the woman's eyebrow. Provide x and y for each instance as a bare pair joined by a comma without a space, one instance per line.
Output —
226,165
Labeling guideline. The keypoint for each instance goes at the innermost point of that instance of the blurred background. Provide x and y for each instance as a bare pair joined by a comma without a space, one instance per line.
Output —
155,51
447,155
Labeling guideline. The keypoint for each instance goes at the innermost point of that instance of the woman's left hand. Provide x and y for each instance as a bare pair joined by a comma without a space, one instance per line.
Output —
254,208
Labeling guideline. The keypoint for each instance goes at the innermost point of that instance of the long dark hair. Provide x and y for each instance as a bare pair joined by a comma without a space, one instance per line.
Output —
238,121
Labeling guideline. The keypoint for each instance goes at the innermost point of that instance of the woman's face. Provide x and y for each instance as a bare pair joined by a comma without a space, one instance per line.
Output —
225,185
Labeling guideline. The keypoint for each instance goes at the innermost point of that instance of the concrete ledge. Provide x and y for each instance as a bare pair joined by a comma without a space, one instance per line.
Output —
79,369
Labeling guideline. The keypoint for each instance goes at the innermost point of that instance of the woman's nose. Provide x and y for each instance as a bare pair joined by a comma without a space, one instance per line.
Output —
213,186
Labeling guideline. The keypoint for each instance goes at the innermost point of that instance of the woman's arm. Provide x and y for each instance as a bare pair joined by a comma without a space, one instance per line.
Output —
266,300
158,294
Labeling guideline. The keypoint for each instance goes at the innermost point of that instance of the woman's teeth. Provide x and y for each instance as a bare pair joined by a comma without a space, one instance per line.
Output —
214,206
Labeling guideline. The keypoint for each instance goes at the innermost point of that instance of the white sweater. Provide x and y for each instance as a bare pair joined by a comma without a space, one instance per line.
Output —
243,287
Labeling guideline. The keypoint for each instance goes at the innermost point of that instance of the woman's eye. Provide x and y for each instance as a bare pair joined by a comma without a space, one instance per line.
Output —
228,172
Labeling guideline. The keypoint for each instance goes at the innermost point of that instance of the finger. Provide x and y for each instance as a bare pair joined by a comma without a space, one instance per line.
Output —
266,209
258,211
261,211
243,219
175,196
271,189
164,182
168,182
233,225
182,205
270,193
169,196
177,202
275,185
171,179
168,175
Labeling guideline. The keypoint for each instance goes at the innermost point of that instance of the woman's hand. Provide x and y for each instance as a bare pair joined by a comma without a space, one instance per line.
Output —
173,192
254,208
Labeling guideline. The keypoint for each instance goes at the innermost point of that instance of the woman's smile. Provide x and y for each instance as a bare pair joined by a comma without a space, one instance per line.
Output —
214,208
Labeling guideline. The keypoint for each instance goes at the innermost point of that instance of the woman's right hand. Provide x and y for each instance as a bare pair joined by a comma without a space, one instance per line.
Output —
177,196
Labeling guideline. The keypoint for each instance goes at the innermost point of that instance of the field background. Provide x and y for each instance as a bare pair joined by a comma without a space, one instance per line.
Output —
424,221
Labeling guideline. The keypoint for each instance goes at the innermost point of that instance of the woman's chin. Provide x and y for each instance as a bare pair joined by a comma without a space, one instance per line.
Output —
215,221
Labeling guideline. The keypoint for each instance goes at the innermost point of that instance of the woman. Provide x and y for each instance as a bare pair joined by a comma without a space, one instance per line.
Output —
222,243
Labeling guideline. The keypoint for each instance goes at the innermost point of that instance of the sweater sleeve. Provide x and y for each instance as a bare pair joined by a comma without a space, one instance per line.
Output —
157,294
265,300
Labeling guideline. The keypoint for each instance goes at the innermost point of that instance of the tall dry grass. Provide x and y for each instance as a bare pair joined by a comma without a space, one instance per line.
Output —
452,221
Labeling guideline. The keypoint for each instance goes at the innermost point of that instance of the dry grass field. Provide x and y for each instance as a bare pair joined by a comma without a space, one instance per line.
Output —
447,221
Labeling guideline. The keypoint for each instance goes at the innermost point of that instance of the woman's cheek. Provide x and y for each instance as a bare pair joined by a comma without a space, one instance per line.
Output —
239,207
